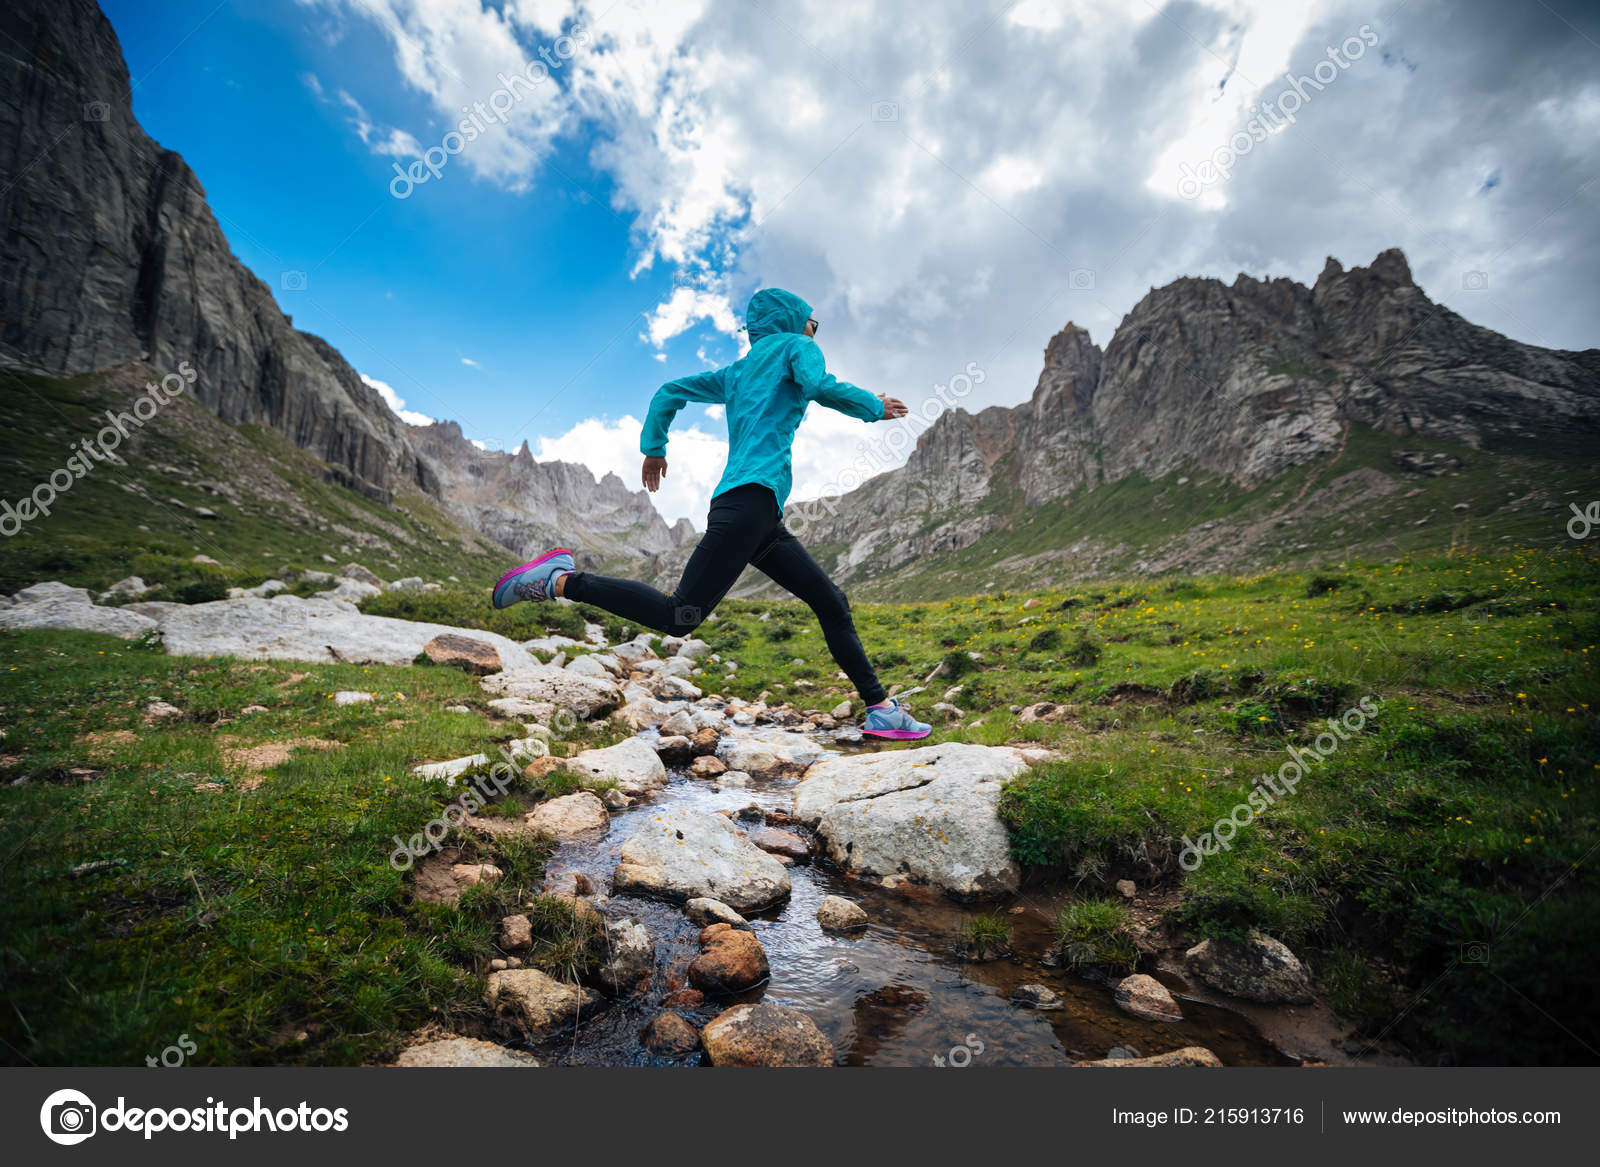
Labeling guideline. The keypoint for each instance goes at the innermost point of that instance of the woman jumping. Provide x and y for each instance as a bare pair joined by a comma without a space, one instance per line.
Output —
765,393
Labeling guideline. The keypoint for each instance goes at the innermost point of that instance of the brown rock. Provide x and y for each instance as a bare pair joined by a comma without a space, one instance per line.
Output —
1146,997
670,1035
684,999
477,657
705,741
541,767
730,961
570,816
516,934
527,1002
708,766
675,750
780,843
765,1035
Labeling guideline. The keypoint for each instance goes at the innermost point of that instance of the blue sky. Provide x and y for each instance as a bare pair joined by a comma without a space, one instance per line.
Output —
947,183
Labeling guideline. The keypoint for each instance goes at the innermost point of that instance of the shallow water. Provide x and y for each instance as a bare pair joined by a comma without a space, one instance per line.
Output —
893,994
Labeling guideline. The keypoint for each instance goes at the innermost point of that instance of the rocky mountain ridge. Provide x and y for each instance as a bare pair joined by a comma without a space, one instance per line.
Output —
1233,385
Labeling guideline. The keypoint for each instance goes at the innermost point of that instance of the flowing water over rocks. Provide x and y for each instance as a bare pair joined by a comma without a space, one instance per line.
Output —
894,992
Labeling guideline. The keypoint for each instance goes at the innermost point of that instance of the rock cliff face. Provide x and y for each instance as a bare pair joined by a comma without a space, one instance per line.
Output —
111,255
1239,384
528,506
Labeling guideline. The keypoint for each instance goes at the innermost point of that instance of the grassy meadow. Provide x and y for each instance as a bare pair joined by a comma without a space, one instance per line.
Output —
226,875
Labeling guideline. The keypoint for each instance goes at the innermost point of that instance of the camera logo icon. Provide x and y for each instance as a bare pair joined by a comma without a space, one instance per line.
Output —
293,281
885,111
96,111
687,615
1474,281
1475,953
1081,279
68,1117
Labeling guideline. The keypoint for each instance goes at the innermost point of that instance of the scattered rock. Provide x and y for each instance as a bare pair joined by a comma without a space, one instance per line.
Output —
478,657
1036,997
628,957
632,765
587,666
463,1053
837,914
446,772
1146,997
1261,970
355,697
571,816
669,1035
157,711
584,697
62,610
675,751
705,912
776,842
615,799
683,854
765,1035
527,1002
841,710
516,934
707,766
679,724
356,572
731,960
1127,889
732,780
764,754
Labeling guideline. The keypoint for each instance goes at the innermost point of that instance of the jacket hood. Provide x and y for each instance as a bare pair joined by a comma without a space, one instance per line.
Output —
773,310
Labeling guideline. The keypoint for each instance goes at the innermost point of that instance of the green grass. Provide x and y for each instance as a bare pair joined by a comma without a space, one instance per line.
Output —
243,908
1096,932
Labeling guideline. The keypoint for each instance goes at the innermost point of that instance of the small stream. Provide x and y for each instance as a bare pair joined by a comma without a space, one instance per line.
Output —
893,994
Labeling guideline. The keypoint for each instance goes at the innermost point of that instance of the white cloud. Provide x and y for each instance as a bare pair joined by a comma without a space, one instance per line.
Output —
396,403
470,363
695,461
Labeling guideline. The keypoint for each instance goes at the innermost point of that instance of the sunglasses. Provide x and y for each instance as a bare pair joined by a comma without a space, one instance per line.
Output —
815,325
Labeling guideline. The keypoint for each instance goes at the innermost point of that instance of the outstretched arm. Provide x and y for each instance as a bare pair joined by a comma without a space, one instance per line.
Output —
808,370
671,397
674,395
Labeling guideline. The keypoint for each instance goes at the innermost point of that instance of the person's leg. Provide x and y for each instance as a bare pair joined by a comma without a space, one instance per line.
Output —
788,564
740,521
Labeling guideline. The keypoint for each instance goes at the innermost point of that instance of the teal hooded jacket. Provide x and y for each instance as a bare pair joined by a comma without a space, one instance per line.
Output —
765,393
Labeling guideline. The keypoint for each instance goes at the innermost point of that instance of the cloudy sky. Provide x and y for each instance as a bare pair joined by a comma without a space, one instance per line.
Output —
947,183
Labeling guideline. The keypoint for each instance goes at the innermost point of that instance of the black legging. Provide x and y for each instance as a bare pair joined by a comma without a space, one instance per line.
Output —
745,526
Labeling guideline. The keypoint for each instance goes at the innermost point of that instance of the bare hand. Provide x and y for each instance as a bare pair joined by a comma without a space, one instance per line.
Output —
655,469
893,407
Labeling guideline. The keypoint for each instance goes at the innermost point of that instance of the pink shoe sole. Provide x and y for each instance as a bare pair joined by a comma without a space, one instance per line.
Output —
535,563
895,734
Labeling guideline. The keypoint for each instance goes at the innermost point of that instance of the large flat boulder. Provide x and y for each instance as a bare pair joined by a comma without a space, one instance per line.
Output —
766,1035
683,854
65,613
317,630
584,696
926,812
765,753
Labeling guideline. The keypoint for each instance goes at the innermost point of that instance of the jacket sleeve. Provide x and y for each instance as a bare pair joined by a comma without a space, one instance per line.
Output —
671,397
807,369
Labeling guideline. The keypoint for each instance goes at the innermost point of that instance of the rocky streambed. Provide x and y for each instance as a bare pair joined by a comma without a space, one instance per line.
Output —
769,889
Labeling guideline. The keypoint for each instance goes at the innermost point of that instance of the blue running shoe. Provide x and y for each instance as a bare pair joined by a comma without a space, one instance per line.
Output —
892,722
533,581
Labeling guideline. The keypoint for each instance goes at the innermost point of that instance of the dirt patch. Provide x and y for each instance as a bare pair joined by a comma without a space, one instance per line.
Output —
105,741
291,679
269,754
